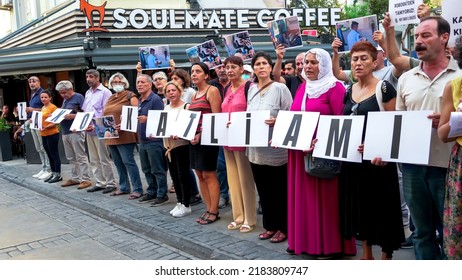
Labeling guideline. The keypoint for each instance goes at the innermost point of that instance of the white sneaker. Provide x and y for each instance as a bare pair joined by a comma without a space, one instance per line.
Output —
183,211
177,207
45,175
38,174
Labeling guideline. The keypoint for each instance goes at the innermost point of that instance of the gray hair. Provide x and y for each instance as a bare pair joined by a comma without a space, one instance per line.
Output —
148,78
122,79
64,85
160,74
93,72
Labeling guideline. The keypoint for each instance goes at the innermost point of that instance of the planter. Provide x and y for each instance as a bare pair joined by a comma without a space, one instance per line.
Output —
6,152
33,157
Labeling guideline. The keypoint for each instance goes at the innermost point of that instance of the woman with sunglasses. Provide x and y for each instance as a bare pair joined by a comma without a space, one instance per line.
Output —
369,191
313,205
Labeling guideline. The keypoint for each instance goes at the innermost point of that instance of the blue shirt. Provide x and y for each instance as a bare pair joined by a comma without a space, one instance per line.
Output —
35,101
76,101
153,102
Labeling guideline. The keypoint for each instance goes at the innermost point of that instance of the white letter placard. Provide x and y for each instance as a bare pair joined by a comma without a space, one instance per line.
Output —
339,138
214,130
129,119
398,136
81,121
186,124
294,129
160,124
58,115
248,129
36,120
22,115
451,12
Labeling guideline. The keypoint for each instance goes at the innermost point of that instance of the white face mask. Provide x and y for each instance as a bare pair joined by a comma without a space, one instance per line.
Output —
118,88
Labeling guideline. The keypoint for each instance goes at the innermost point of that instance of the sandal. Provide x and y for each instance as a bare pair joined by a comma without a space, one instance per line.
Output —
207,221
278,237
202,217
117,193
246,228
172,189
234,225
266,235
134,195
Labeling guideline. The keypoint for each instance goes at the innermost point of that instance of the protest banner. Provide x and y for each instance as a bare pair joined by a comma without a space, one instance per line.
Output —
206,52
285,32
452,13
129,119
239,44
154,57
294,129
398,136
355,30
403,12
338,137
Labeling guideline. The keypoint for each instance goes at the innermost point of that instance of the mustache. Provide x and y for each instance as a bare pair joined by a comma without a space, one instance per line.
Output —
420,47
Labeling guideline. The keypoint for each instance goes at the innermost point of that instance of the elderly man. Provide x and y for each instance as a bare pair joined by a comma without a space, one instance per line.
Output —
421,88
35,104
95,100
152,151
74,142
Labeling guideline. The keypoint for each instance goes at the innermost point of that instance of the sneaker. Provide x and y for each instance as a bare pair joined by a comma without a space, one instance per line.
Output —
51,176
183,211
69,183
223,203
84,184
407,244
44,175
56,178
159,201
177,207
147,198
38,174
195,199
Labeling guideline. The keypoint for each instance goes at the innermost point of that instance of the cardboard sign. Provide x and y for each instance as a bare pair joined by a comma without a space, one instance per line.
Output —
187,123
106,127
161,124
339,138
36,120
58,115
248,129
214,130
239,44
453,14
206,52
285,32
81,121
129,119
154,57
294,130
399,136
22,114
355,30
403,12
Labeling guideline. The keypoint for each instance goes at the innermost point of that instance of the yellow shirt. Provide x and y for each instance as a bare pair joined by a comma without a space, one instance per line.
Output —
456,95
46,112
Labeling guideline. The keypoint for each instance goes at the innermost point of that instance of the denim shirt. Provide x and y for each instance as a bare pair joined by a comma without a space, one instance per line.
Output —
153,102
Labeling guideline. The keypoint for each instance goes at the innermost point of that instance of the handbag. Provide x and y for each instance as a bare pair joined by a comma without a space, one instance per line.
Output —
321,167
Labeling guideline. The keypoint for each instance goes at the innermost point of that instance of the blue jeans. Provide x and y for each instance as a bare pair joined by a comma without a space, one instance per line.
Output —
124,161
221,174
424,189
154,166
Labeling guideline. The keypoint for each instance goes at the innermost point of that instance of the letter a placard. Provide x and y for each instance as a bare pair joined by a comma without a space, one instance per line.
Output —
339,138
129,120
36,120
399,136
294,130
81,121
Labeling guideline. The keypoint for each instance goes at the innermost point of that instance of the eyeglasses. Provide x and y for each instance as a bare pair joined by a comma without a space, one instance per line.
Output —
158,79
354,109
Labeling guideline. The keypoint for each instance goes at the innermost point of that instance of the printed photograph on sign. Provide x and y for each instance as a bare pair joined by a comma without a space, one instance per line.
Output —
106,127
239,44
355,30
154,57
285,32
206,52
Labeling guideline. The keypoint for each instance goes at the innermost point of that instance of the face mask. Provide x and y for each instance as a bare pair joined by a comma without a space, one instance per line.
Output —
118,88
245,76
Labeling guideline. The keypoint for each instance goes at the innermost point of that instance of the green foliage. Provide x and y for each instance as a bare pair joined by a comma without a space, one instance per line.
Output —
4,125
355,11
377,7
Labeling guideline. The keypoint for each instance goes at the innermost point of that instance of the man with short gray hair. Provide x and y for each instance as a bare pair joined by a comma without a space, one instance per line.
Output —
74,142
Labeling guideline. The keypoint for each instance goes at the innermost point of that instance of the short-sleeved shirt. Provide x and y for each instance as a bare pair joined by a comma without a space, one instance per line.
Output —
75,104
152,102
46,112
293,83
416,92
276,98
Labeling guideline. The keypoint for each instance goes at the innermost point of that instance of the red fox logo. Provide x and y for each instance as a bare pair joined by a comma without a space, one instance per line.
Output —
88,10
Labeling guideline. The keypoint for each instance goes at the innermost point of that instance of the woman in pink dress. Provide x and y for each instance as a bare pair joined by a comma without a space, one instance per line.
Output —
313,205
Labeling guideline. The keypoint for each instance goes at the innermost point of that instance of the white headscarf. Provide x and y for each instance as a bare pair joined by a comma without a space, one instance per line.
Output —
326,79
